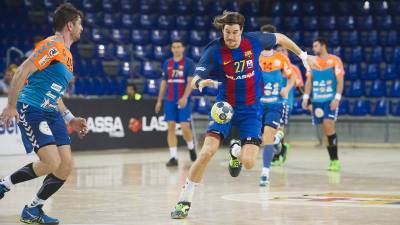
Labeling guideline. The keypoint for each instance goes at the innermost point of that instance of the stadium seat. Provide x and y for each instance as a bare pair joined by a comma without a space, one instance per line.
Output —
104,51
344,107
146,7
343,8
215,7
371,72
395,89
128,6
349,39
394,55
179,35
182,7
165,22
333,38
380,7
182,22
142,52
357,89
125,69
91,19
339,51
325,8
164,8
122,52
309,37
108,5
374,55
212,35
381,108
369,38
365,23
118,35
251,24
97,35
327,23
297,109
110,20
392,39
277,9
346,23
378,89
293,8
391,72
89,5
396,109
295,36
201,23
384,22
150,70
292,23
202,106
309,8
161,53
310,23
278,23
78,86
151,87
356,55
147,21
232,6
352,71
197,38
199,8
361,107
139,37
250,8
159,37
195,53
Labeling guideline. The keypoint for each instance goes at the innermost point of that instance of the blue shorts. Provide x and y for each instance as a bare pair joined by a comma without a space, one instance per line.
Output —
322,111
40,128
246,119
173,113
275,114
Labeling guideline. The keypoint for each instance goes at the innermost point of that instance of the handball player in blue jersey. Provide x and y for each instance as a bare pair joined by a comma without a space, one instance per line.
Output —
35,102
231,63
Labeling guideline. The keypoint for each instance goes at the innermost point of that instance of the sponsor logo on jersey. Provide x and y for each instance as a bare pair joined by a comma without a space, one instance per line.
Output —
200,68
248,54
56,87
44,60
277,62
241,77
249,63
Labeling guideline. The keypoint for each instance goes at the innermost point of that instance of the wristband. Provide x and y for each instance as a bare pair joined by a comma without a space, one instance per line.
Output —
303,56
338,96
68,116
306,96
196,84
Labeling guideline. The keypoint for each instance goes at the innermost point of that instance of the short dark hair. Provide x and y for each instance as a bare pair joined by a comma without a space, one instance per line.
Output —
133,85
64,14
322,41
268,28
228,18
178,41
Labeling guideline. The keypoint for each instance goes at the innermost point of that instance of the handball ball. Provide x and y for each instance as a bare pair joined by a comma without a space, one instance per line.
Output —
222,112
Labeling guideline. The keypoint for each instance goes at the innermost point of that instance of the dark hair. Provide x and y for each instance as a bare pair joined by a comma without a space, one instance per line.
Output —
268,28
133,85
322,41
64,14
178,41
228,18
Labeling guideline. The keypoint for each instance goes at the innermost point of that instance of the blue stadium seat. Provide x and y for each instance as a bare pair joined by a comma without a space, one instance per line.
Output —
333,38
375,55
380,7
350,39
346,23
371,72
161,53
338,51
128,6
151,87
392,39
353,71
251,24
344,107
110,20
343,8
277,9
159,37
310,23
201,23
395,89
297,109
357,89
378,89
51,4
361,108
122,52
292,23
365,23
147,21
381,108
104,52
250,8
150,70
89,88
108,5
118,35
202,106
395,109
325,8
394,55
391,72
89,5
97,35
384,22
91,19
197,38
182,22
129,21
179,35
277,22
125,69
195,53
327,23
215,7
309,37
199,8
164,7
182,7
146,7
142,52
139,37
356,55
309,8
79,86
212,35
295,36
369,38
293,8
232,6
166,22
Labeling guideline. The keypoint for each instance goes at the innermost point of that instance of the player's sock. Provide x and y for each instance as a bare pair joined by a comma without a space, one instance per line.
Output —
173,152
7,182
36,201
268,153
265,171
51,185
24,174
188,191
332,147
190,145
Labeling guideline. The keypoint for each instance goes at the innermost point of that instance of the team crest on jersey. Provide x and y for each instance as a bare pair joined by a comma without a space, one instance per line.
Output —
277,62
45,129
329,82
322,89
248,54
276,85
53,52
249,63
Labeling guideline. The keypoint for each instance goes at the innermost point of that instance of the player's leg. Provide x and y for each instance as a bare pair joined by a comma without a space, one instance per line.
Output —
329,128
268,152
184,119
196,172
188,136
172,144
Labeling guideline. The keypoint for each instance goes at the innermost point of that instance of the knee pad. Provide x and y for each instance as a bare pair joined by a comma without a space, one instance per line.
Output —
251,141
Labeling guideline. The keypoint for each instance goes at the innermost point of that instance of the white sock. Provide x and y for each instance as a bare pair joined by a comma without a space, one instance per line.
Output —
265,171
172,152
236,150
190,145
188,191
35,202
7,182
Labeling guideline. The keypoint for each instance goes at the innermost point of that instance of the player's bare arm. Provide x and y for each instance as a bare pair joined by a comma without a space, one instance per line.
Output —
161,93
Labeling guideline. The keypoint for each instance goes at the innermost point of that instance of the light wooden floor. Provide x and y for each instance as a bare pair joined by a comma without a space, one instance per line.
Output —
136,188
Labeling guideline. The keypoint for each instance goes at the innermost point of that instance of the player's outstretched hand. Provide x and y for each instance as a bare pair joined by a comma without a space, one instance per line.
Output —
182,102
79,125
207,83
8,114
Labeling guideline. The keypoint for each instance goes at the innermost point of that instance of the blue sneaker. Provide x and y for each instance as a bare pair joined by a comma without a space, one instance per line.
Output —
264,180
36,215
3,190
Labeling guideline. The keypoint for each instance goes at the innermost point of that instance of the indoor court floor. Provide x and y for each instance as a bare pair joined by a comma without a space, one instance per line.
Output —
134,187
